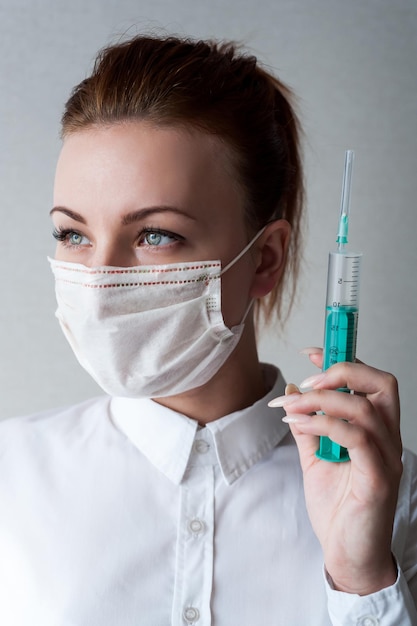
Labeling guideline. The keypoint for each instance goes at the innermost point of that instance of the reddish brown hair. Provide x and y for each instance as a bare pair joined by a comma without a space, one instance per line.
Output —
215,88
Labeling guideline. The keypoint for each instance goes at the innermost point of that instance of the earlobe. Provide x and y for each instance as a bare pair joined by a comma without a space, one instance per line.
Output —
271,251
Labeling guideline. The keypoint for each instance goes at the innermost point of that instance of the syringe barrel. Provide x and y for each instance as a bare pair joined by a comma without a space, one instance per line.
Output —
343,279
342,308
341,326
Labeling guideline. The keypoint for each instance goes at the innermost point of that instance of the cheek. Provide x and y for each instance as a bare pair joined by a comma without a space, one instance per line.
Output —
236,284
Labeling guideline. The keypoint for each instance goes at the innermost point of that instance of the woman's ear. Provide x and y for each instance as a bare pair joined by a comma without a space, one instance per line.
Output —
270,253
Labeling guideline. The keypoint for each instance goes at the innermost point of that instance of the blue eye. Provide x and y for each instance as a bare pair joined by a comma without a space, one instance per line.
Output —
70,238
75,239
157,238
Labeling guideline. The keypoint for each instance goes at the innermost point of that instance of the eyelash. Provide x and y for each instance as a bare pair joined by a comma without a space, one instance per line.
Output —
165,233
62,234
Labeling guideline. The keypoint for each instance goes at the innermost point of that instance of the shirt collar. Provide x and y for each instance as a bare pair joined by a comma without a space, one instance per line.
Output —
166,437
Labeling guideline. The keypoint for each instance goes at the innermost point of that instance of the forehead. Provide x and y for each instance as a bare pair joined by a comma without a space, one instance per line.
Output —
138,162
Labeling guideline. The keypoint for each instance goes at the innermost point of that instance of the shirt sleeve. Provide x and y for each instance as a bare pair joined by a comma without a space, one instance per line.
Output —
389,607
397,604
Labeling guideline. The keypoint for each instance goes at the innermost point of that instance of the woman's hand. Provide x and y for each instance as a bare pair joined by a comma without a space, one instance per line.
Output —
352,504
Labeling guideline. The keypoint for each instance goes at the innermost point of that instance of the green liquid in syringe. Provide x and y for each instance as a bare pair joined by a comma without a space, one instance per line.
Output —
340,335
339,345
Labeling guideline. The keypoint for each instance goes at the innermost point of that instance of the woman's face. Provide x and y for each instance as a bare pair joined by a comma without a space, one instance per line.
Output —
133,194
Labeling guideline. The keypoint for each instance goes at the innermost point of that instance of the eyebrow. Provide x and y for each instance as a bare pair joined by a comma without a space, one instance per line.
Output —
72,214
129,218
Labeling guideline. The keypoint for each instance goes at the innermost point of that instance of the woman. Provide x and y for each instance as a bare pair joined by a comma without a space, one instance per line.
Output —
180,497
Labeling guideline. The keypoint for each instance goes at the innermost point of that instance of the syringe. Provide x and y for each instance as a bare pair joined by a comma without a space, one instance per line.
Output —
342,306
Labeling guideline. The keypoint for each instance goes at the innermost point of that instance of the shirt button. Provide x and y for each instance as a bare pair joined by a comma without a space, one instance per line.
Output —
196,526
201,446
191,615
368,620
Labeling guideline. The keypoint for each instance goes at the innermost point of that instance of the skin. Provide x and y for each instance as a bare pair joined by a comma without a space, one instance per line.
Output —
115,186
105,174
351,505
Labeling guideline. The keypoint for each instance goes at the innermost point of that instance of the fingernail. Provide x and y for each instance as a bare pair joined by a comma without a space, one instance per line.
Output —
290,389
311,350
311,382
294,418
284,400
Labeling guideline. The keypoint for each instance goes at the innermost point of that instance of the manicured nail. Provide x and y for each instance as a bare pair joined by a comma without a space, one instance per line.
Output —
311,350
294,418
290,389
284,400
311,382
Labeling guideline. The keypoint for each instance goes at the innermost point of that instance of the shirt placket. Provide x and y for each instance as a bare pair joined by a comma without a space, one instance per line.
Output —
194,560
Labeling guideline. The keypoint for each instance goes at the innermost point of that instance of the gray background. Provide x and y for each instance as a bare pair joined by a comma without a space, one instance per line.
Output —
353,65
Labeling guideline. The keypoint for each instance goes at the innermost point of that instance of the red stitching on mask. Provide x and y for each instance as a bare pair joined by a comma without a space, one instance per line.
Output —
201,279
137,270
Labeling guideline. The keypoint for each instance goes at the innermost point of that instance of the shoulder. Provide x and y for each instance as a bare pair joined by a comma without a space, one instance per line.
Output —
42,429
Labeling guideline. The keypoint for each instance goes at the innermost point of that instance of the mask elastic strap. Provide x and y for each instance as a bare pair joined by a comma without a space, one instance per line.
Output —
248,308
240,255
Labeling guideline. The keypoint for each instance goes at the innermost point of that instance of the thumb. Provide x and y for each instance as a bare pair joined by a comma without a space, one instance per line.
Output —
307,444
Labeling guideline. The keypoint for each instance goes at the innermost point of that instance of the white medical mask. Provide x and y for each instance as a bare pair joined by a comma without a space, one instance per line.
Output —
146,331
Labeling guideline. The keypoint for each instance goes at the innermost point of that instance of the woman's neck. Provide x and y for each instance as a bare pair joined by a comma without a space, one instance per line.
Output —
238,384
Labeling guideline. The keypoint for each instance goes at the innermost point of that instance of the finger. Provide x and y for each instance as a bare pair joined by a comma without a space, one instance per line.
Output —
290,389
363,451
350,407
373,473
307,431
356,376
314,354
356,410
307,445
379,387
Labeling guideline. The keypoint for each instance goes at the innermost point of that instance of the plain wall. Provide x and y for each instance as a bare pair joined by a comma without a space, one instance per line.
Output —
353,66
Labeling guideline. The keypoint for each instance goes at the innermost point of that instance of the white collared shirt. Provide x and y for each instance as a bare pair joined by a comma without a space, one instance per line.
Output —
121,512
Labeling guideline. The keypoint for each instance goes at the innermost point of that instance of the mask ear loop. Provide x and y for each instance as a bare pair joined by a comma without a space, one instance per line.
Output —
245,249
235,260
248,308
